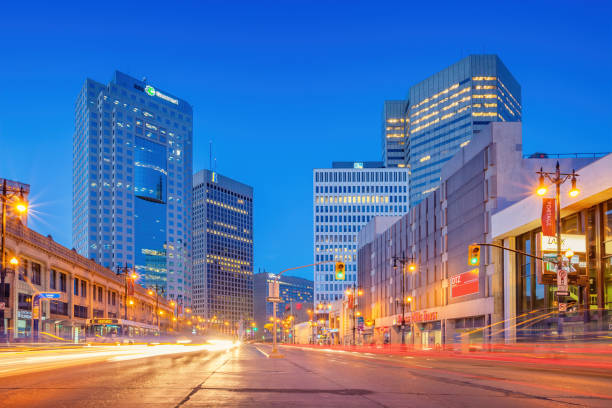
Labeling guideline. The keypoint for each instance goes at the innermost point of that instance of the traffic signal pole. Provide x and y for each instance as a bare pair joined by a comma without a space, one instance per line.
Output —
275,353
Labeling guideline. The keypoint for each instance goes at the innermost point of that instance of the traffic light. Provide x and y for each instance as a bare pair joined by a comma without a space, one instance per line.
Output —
340,275
474,255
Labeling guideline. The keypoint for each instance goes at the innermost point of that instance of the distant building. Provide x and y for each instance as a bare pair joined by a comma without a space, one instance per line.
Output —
132,169
393,134
451,106
296,294
346,197
222,248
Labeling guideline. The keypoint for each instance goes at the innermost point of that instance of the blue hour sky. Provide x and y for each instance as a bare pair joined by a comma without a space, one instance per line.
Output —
284,87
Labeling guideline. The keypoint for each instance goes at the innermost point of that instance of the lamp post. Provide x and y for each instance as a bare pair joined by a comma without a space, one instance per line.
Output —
352,295
157,290
557,178
130,274
403,261
9,194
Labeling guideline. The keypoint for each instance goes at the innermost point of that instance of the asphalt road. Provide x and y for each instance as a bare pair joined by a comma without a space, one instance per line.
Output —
244,376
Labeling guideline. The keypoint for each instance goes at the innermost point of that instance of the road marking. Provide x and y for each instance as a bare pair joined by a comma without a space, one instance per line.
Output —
262,352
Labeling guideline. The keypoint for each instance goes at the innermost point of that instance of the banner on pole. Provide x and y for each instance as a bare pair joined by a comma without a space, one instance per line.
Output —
549,226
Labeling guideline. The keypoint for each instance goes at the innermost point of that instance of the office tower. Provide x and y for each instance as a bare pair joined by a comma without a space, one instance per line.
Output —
222,248
345,197
132,170
393,133
296,297
448,108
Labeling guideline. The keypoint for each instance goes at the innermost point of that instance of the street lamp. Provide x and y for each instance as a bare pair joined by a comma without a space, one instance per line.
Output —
352,294
403,261
130,276
156,290
14,195
557,178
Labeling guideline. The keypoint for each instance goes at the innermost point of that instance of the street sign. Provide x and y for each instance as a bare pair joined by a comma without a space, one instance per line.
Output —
562,281
49,295
273,299
562,307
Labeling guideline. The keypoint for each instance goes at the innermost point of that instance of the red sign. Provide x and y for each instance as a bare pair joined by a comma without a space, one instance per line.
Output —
417,317
464,283
548,217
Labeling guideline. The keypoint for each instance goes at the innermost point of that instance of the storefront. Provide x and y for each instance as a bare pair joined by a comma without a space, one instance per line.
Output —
531,302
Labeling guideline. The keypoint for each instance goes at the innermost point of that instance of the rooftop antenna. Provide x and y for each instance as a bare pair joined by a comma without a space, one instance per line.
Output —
215,168
210,155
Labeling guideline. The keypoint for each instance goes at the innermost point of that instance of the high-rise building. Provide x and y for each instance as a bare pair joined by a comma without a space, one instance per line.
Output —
393,133
132,169
448,108
222,248
345,198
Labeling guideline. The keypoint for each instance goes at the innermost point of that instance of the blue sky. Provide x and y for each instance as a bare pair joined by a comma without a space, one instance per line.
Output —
284,87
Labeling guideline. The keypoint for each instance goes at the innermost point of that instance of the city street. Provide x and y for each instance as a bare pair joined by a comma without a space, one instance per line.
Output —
245,376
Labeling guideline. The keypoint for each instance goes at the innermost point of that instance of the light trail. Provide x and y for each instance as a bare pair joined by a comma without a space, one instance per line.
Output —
24,362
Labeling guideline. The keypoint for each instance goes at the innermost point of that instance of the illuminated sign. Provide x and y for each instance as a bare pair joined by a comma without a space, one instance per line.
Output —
464,283
358,165
213,177
149,90
417,317
576,243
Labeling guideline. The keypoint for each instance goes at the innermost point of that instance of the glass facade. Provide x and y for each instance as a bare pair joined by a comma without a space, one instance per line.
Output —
591,270
132,169
449,107
393,133
223,248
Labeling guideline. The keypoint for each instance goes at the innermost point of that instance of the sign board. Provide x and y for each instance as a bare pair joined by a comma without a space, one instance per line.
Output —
273,299
562,307
24,314
562,282
49,295
35,312
465,283
360,322
576,243
273,289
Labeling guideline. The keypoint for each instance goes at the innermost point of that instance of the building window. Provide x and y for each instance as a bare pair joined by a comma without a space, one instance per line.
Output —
63,282
80,311
83,288
53,279
36,278
76,286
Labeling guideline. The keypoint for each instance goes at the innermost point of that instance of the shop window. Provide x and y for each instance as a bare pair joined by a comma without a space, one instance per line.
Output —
24,302
58,307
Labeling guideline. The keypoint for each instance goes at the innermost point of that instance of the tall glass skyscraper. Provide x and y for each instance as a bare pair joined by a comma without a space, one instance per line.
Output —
393,135
345,198
449,107
132,171
222,248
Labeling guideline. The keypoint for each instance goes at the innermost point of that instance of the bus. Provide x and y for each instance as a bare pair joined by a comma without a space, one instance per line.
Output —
119,330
